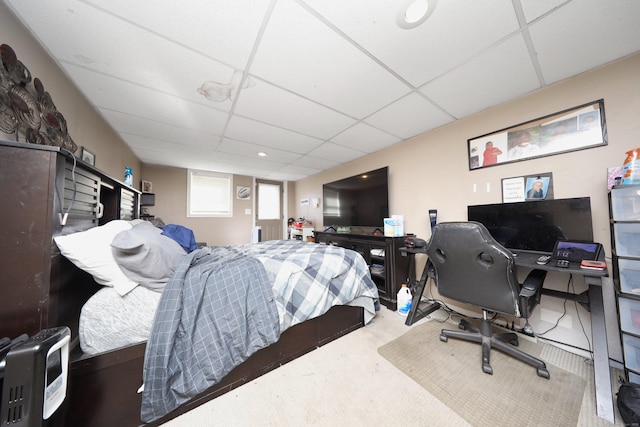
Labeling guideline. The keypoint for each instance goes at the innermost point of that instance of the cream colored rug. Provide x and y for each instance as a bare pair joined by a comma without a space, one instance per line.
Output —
513,395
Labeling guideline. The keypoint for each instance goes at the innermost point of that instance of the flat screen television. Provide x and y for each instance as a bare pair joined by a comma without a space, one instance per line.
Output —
536,225
358,201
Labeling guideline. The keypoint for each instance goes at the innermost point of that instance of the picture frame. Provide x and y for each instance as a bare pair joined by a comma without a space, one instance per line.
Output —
146,186
243,192
569,130
527,188
87,156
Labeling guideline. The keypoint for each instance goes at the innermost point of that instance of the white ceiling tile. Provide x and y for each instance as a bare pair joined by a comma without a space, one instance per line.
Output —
315,162
409,116
129,124
533,9
479,84
453,34
244,129
232,146
124,97
253,161
366,138
301,53
585,34
221,29
280,107
336,152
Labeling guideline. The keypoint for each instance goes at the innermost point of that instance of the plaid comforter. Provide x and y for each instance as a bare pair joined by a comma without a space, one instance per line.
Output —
223,304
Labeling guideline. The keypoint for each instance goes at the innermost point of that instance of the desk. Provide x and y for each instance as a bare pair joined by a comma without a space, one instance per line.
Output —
592,300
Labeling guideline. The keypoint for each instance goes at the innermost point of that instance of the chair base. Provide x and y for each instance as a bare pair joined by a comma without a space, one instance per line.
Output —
504,342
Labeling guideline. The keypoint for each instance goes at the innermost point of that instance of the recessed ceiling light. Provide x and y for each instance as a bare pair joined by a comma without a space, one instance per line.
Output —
262,154
415,12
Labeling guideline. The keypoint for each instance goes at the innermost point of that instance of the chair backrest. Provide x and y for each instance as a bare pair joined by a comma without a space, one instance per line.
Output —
472,267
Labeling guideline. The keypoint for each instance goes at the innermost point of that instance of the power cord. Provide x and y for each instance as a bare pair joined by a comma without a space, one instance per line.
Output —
64,215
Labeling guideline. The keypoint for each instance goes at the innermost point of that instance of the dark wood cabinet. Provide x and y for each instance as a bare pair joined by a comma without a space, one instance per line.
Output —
46,192
389,269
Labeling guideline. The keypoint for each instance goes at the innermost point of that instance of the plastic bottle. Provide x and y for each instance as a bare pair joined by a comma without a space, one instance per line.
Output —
404,300
631,167
128,176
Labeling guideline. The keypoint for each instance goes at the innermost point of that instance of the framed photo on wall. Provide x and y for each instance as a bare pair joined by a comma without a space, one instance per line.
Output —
88,157
569,130
530,188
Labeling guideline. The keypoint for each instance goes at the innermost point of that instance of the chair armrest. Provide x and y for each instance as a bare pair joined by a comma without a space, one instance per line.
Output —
534,281
531,289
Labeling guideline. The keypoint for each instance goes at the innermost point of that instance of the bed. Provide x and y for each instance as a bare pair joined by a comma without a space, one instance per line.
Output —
236,312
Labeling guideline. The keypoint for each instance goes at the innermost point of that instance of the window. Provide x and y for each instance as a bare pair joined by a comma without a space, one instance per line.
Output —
269,201
209,194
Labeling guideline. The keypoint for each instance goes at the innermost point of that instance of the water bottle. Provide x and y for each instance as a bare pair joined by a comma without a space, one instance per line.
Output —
128,176
404,300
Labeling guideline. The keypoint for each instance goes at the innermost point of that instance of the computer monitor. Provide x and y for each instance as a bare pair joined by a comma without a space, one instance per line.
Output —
535,226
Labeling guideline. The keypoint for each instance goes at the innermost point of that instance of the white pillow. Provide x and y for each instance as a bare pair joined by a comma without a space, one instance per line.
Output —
91,251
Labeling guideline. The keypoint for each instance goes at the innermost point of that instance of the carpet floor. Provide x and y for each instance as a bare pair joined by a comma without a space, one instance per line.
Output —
513,395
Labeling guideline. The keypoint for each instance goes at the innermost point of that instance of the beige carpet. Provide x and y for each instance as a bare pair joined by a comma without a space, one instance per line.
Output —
513,395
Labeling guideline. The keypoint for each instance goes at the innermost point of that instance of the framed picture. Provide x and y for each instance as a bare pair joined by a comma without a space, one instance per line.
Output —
530,188
146,186
243,193
88,156
569,130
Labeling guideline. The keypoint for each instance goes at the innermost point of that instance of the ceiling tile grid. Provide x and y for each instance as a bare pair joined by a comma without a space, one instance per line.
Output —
208,84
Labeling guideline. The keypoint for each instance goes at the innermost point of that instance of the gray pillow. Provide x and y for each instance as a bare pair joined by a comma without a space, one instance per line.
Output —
146,256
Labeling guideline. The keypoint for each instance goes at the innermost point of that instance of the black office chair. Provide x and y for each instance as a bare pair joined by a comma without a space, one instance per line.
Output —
471,267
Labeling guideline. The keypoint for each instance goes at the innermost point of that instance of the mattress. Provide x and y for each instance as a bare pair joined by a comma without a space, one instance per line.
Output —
109,321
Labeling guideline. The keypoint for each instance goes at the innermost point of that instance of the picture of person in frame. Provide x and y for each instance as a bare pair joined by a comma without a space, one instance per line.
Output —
537,188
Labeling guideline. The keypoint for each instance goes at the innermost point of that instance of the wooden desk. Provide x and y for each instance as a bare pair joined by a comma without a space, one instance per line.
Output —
592,300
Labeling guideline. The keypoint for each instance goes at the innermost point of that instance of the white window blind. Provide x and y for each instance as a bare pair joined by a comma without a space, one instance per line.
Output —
209,194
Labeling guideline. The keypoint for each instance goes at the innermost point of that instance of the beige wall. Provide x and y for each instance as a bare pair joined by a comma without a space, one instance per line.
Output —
86,126
431,171
170,188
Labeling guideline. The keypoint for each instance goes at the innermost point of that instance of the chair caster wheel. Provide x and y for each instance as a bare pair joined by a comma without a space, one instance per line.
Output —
487,369
461,326
542,372
444,338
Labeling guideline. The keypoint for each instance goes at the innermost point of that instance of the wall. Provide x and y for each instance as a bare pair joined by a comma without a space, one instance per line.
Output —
86,127
170,188
431,171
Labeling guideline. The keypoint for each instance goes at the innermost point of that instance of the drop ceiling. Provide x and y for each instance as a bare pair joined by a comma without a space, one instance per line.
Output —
208,84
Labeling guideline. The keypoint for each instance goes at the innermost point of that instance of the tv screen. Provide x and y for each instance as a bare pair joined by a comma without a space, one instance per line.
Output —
536,225
358,201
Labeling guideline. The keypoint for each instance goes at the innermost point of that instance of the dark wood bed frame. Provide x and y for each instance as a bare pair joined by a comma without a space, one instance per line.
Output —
103,388
41,289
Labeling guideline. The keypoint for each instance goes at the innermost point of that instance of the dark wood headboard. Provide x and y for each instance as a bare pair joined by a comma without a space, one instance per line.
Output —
41,288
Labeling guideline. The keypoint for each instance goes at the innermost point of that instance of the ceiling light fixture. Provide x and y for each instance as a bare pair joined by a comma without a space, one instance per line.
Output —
415,12
262,154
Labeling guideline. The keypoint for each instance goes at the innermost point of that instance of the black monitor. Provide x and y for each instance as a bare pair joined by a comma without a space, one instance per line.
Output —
535,226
